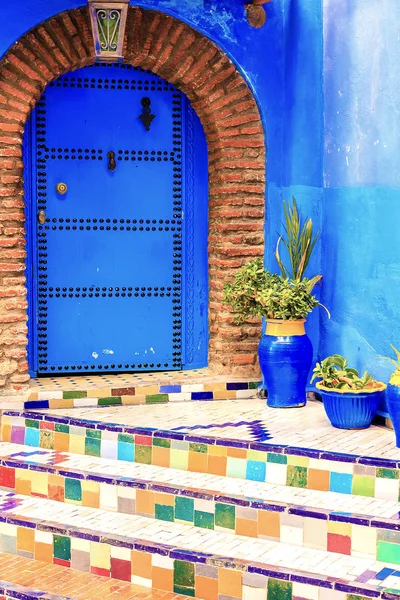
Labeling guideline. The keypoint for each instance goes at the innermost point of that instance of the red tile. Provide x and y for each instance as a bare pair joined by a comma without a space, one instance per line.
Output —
339,543
7,477
46,425
143,440
121,569
99,571
129,391
61,562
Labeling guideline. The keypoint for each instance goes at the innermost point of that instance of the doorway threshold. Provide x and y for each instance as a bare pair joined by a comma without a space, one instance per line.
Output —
137,388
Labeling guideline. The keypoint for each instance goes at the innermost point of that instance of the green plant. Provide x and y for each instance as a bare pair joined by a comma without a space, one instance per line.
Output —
256,292
395,378
299,243
336,374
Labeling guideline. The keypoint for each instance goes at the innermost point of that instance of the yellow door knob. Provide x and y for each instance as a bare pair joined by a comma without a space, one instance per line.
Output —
61,188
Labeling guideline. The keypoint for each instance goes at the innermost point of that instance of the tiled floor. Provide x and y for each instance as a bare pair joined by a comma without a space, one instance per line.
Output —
122,380
249,419
213,483
77,585
190,538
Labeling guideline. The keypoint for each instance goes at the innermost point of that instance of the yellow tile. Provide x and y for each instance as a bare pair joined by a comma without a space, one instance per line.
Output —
100,555
62,403
339,528
228,394
99,393
77,444
25,539
57,480
33,396
40,483
147,390
141,399
218,450
215,387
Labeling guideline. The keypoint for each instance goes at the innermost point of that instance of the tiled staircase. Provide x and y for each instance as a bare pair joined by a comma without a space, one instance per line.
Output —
204,517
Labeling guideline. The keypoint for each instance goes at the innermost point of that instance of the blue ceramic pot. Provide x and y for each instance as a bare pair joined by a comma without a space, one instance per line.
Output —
393,403
350,410
285,354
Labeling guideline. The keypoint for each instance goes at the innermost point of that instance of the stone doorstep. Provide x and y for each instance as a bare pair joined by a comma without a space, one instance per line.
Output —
339,532
170,568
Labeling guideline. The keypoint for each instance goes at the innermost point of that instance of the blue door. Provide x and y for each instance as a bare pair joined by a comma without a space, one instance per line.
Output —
118,219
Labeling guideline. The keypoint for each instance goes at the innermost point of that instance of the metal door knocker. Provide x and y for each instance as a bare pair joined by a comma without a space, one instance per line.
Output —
146,117
112,165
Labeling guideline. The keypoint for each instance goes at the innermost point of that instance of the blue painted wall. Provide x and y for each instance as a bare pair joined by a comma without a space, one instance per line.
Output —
325,74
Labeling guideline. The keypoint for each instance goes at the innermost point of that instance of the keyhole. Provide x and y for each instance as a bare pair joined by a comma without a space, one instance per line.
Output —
112,165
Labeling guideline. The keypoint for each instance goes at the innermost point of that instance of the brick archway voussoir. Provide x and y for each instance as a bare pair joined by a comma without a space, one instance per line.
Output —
236,147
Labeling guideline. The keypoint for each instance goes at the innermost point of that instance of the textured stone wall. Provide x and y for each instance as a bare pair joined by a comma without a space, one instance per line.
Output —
236,146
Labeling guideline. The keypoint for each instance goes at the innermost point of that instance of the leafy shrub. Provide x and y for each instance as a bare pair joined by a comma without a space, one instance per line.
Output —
336,374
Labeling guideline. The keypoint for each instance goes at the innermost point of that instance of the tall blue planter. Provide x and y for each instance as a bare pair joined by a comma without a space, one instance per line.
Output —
393,403
285,354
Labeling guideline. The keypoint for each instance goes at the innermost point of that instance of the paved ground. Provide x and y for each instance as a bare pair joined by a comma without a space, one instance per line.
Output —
306,427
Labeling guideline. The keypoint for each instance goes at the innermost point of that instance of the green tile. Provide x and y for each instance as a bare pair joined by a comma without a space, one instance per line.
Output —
184,591
277,458
225,515
388,552
279,590
253,385
62,547
387,473
32,423
183,573
109,400
184,509
73,489
127,438
203,519
296,476
164,513
92,447
74,394
363,485
143,454
195,447
154,398
47,439
161,442
356,597
93,433
61,428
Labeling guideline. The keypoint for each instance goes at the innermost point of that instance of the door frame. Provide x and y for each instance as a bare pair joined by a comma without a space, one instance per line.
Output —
194,242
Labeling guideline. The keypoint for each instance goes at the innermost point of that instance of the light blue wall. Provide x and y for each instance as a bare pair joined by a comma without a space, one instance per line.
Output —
361,210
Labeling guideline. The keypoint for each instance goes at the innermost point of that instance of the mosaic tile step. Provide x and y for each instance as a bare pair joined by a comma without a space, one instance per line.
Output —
135,548
262,461
81,586
350,525
10,591
251,420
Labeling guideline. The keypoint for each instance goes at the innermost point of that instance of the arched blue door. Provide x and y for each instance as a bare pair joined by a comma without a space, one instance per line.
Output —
118,218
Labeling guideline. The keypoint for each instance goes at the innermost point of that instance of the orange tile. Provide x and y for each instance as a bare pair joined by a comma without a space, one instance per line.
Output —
90,499
22,486
318,480
163,579
269,524
165,499
206,588
44,552
61,441
215,387
161,456
6,433
224,395
216,465
141,564
230,583
25,539
246,527
145,502
56,492
198,462
237,452
57,480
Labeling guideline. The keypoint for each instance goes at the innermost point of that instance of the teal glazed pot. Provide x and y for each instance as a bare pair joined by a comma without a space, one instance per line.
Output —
351,410
393,403
285,354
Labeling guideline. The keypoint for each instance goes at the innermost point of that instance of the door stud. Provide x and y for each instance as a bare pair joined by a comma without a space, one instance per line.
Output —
61,188
41,217
112,165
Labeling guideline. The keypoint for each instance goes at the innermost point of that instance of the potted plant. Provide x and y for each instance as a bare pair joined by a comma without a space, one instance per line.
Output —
393,396
350,401
285,351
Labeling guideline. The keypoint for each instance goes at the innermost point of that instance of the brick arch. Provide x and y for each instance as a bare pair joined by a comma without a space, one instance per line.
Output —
236,148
